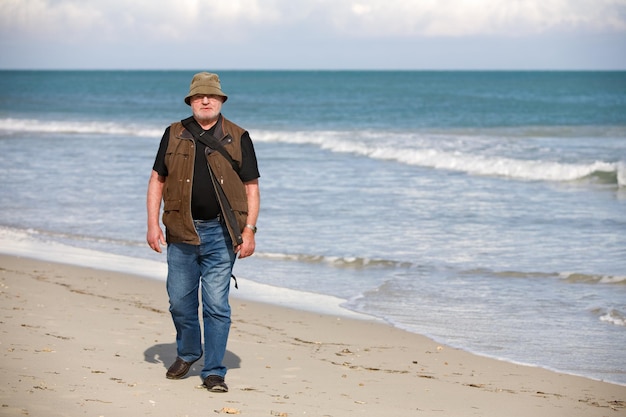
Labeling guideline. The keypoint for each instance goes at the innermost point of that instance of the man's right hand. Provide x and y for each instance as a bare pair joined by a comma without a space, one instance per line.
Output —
155,238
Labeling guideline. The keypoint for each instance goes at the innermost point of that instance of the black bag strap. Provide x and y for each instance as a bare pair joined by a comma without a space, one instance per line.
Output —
208,140
227,210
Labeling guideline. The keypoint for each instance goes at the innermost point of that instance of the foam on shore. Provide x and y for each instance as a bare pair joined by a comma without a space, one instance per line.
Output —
19,243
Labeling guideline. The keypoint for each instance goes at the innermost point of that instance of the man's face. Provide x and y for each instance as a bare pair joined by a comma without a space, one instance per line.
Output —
206,107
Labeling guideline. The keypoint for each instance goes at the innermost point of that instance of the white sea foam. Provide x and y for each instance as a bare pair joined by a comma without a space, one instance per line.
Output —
21,243
621,174
575,277
432,154
614,317
77,127
428,152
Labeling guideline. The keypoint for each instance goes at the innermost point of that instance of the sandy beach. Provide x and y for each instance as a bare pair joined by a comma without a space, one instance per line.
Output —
85,342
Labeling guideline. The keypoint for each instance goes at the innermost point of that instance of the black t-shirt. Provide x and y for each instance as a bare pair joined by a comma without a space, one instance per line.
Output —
204,205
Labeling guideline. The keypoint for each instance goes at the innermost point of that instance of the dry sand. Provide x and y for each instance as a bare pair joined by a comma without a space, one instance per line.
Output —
85,342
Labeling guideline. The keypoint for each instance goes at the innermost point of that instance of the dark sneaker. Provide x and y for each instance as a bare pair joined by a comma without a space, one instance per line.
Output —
215,383
178,369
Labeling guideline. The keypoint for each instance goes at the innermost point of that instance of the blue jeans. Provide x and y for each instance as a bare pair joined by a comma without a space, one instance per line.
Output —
209,264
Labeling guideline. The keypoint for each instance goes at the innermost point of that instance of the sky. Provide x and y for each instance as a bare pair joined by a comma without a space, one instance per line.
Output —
313,35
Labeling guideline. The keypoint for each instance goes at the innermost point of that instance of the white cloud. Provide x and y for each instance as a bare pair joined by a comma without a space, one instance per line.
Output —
312,33
183,19
480,17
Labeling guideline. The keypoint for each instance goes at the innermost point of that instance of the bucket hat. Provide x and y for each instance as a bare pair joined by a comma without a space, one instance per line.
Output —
205,83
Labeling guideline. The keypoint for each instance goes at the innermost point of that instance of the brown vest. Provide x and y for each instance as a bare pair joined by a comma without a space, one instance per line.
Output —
179,159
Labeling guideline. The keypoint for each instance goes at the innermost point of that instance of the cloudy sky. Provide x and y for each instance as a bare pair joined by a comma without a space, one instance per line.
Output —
313,34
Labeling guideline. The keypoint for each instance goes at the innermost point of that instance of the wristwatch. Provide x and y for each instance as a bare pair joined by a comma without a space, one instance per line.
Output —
251,227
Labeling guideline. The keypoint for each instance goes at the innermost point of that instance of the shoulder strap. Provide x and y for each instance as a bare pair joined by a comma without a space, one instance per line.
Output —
208,140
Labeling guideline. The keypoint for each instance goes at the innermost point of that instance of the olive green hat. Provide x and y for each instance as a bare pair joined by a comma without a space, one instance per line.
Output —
205,83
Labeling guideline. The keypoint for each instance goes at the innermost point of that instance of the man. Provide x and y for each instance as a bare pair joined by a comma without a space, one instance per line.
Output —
206,174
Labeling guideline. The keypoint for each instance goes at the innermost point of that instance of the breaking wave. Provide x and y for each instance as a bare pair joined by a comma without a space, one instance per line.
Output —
362,263
428,155
335,261
78,127
425,152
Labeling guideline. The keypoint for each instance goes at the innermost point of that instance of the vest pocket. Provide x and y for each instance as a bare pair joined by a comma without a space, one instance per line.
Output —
171,214
240,209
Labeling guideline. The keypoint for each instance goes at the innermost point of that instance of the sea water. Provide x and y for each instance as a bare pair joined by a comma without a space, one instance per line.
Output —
486,210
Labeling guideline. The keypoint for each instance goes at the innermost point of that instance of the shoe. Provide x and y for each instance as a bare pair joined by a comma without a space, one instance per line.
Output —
178,369
215,383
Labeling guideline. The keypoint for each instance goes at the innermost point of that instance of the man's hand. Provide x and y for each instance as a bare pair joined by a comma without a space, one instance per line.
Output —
247,247
155,238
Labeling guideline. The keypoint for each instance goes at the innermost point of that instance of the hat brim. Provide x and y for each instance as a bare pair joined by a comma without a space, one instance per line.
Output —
205,90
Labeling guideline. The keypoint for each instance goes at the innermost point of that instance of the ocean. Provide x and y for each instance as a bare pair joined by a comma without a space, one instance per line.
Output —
486,210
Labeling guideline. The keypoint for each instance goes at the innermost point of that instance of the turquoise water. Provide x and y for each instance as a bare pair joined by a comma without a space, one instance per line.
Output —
484,209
